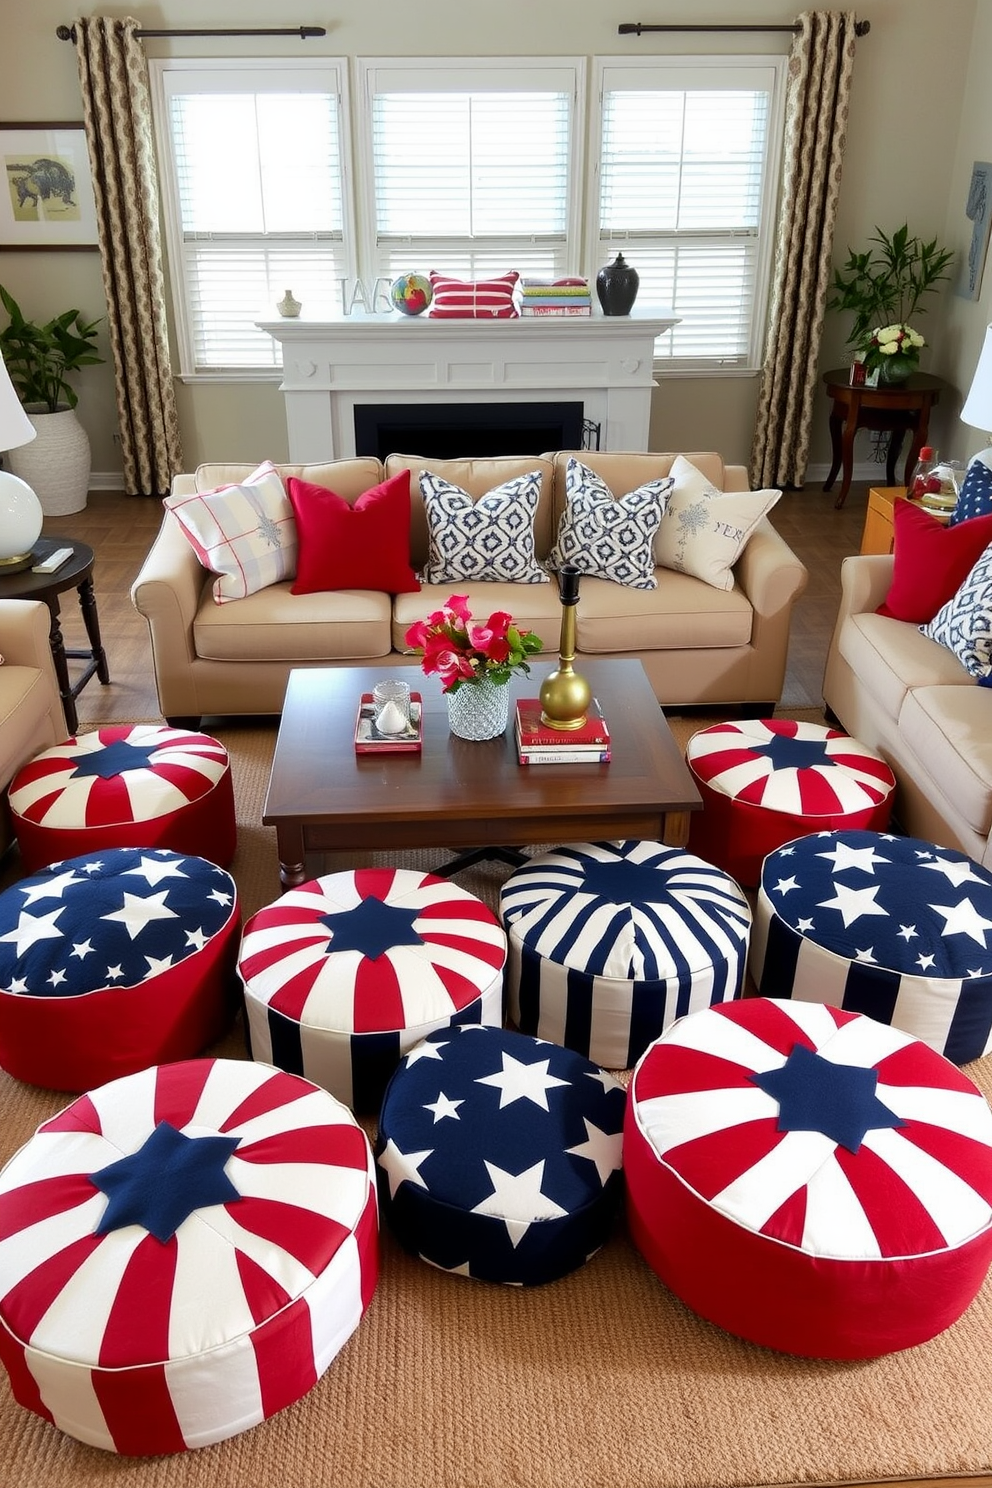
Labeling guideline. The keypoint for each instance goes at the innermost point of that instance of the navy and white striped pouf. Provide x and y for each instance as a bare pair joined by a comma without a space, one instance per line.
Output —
893,927
500,1156
611,941
345,973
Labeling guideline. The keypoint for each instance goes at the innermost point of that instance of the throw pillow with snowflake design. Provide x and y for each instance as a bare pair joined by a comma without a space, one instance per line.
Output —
964,623
606,536
491,539
705,530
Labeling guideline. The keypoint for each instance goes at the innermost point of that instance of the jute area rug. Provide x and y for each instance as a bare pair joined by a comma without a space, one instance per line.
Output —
601,1380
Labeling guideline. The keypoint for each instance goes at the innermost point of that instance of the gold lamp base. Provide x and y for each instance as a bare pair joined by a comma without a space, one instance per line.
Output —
17,563
565,699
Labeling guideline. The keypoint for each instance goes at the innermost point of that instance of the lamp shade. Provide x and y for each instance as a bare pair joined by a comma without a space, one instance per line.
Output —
977,410
15,426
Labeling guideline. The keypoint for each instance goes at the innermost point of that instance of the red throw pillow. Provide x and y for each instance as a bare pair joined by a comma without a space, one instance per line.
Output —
458,299
931,561
365,546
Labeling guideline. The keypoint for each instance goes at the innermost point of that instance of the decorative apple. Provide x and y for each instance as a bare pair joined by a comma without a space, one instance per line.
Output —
411,293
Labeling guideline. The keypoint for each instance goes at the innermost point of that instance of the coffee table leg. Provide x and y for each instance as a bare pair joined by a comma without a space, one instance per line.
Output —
289,846
61,665
675,828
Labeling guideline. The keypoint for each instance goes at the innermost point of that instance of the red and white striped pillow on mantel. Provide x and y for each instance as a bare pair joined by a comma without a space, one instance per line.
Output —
458,299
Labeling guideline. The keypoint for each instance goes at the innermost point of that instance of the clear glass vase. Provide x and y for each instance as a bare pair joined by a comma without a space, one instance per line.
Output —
479,710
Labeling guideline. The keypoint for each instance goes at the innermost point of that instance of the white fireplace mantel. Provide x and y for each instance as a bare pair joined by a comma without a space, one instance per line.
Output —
332,366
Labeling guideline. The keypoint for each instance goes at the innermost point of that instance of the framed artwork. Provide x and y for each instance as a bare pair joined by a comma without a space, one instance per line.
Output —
46,195
978,209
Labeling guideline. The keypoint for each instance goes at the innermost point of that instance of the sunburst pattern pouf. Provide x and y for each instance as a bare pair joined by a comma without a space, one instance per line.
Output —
500,1155
131,786
345,973
113,962
809,1179
766,781
610,941
894,927
184,1253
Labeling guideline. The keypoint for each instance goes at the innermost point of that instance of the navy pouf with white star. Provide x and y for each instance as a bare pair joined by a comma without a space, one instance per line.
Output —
113,961
345,973
184,1253
500,1155
609,941
893,927
809,1179
133,786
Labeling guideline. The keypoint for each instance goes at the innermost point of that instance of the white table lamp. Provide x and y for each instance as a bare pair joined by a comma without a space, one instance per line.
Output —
20,510
977,410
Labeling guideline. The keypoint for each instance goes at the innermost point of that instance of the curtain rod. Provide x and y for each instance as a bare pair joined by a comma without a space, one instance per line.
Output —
68,33
861,28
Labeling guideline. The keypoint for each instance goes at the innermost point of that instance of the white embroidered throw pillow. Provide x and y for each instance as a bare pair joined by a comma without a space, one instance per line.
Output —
964,623
606,536
491,539
705,530
246,534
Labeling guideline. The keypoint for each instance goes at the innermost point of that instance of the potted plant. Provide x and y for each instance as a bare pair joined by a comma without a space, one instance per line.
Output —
40,359
884,287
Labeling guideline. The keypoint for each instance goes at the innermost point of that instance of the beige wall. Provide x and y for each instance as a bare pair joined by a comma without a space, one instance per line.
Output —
921,113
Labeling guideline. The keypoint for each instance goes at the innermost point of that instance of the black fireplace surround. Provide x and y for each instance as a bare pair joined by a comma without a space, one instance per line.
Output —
452,431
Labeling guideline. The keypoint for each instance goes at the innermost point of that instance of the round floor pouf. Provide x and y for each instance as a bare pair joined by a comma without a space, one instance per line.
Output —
113,962
134,786
893,927
809,1179
184,1253
346,973
500,1155
766,781
610,941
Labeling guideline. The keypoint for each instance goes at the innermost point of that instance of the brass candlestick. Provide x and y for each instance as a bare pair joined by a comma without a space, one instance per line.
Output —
565,696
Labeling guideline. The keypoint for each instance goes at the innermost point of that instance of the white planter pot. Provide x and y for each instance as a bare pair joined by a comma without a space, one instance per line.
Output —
56,464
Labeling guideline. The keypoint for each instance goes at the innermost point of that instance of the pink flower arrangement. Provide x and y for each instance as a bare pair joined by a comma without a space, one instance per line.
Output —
459,649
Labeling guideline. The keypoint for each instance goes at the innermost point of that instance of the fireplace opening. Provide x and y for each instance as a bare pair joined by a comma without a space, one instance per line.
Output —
452,431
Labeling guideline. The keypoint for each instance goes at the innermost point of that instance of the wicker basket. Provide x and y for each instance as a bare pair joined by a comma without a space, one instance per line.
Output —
56,464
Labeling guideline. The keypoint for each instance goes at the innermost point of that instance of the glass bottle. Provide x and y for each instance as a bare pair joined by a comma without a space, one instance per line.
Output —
922,471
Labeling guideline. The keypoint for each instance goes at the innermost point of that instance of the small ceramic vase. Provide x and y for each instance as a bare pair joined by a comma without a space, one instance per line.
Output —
289,307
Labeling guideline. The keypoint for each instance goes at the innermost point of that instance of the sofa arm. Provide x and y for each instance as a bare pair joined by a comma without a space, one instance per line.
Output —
25,641
865,580
167,592
769,572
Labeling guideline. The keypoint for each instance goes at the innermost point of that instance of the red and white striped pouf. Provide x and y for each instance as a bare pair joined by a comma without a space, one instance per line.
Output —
766,781
184,1253
133,786
343,975
809,1179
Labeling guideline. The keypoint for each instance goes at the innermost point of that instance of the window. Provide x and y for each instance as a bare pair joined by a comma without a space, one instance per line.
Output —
688,179
471,167
252,159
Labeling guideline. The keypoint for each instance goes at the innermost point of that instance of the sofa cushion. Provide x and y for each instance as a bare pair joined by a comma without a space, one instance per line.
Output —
533,606
490,538
964,623
975,499
245,532
930,561
483,299
363,544
704,530
680,614
606,536
949,730
889,657
276,625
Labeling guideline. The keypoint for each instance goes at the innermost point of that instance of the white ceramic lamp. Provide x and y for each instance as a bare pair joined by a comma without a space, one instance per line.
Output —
20,510
977,410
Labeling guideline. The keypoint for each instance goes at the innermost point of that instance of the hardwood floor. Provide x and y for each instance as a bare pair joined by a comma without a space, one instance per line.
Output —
120,529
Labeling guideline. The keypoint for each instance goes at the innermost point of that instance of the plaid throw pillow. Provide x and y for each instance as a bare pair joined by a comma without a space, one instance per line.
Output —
458,299
246,534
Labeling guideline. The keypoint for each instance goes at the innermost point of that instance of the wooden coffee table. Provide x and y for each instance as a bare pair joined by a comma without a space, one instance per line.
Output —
323,797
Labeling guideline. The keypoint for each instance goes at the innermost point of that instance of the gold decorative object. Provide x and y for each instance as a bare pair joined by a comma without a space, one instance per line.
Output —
565,696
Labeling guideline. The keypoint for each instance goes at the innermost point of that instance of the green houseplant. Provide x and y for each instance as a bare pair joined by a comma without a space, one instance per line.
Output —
883,287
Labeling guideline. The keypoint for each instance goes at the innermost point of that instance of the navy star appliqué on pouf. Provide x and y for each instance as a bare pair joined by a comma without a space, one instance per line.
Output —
373,928
161,1184
814,1094
115,759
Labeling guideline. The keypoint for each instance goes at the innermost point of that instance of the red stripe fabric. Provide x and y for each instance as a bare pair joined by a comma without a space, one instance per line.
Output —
484,299
137,1330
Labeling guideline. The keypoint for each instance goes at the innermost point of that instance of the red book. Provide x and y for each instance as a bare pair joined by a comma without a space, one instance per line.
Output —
533,734
368,739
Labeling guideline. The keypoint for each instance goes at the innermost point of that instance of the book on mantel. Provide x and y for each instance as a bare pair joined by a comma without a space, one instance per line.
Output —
540,744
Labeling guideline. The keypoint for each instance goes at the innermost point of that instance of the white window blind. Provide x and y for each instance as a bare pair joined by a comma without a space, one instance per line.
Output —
472,167
687,190
253,165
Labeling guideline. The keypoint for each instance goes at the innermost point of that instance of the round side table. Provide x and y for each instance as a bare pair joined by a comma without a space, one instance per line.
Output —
895,409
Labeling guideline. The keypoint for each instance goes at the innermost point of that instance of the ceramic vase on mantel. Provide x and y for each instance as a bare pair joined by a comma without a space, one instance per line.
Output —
616,286
56,464
479,710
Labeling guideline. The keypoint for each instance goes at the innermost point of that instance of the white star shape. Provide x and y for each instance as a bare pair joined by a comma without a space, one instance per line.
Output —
444,1107
114,973
925,963
93,867
603,1078
196,938
154,870
156,965
135,913
57,978
786,852
462,1270
920,853
17,986
32,928
424,1051
785,884
868,954
844,856
402,1167
977,973
84,948
50,888
964,919
518,1193
223,899
853,903
600,1147
955,873
518,1081
803,925
908,932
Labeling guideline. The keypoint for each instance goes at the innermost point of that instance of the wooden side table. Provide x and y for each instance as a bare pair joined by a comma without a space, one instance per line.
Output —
895,409
877,536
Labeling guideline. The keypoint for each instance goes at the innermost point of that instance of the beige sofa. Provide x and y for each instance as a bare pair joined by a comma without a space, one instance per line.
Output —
31,716
698,645
911,699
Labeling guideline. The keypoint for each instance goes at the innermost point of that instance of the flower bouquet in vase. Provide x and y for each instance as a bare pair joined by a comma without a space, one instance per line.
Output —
474,661
894,351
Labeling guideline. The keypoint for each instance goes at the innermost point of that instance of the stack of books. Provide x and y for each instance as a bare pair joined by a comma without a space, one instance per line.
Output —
538,744
555,297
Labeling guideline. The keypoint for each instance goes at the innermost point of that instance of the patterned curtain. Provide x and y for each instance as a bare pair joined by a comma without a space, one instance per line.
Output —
113,76
821,65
